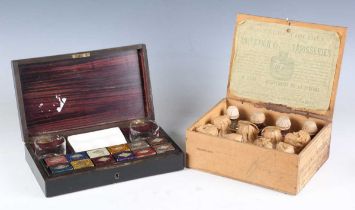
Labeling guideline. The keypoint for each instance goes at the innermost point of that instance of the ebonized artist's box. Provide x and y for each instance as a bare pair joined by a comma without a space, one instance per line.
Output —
103,89
279,67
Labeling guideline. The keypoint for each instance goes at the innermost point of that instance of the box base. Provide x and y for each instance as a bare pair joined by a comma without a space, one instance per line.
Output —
81,180
249,163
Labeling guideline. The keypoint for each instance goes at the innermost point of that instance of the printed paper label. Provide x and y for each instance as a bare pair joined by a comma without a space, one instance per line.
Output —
292,67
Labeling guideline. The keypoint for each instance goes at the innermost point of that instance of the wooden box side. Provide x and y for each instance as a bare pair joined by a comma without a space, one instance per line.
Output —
245,162
248,163
314,155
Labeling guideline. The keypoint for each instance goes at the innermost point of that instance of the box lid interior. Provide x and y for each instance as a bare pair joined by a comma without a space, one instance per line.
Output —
83,90
286,65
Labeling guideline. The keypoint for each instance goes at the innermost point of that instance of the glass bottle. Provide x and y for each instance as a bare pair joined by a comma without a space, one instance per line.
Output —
258,118
284,123
233,113
49,145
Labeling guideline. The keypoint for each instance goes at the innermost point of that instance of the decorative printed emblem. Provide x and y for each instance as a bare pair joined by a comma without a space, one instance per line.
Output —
76,156
85,163
103,159
282,66
162,148
56,159
125,154
144,151
60,167
157,140
98,152
51,161
118,148
138,145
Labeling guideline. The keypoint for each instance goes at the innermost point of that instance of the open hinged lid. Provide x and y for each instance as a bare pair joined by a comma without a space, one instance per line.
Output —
83,90
286,65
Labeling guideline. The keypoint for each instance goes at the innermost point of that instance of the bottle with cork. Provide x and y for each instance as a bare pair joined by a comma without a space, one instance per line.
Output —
233,113
258,118
284,123
310,127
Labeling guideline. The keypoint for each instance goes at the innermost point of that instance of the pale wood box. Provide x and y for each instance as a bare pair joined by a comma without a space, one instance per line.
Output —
278,67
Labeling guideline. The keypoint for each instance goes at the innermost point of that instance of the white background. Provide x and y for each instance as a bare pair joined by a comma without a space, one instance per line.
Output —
189,46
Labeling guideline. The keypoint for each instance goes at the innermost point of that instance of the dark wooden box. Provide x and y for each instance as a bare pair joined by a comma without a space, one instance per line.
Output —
104,88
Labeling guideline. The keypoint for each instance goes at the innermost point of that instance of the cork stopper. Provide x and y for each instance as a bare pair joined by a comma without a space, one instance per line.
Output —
248,130
284,147
264,142
310,127
273,133
233,112
208,129
298,139
283,122
257,117
221,122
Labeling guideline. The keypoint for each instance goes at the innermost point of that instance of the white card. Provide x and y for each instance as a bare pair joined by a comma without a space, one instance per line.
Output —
96,139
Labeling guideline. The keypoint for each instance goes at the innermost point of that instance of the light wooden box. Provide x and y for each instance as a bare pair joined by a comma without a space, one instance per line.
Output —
267,167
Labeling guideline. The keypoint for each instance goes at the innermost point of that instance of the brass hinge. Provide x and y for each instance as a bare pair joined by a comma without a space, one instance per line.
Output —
81,55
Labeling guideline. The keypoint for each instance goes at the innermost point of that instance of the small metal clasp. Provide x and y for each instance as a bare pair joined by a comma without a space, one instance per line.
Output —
289,25
80,55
